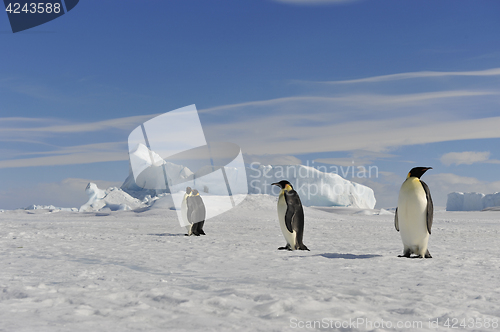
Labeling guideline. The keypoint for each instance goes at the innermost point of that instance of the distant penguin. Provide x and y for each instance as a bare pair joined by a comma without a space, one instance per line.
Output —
184,211
291,216
414,214
196,213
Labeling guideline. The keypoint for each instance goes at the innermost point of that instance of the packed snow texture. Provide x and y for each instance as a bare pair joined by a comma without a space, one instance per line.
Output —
136,271
49,208
315,188
458,201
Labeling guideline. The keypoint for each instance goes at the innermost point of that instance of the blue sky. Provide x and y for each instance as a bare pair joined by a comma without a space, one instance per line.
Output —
391,84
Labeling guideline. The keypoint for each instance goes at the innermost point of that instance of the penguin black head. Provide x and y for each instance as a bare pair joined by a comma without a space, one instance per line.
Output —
188,190
195,192
283,184
418,171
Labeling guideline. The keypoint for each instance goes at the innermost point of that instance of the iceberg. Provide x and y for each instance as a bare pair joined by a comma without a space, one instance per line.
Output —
113,199
315,188
458,201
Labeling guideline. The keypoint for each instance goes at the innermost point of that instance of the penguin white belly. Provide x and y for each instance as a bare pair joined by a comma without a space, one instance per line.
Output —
184,214
412,216
289,237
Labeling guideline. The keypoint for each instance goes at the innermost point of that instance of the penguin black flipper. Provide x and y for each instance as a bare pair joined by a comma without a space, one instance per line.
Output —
294,211
200,214
396,222
430,206
294,217
191,215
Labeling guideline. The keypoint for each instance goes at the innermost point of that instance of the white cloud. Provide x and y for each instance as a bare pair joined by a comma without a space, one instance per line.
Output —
292,125
272,159
346,162
82,154
421,74
39,131
374,122
356,158
467,157
296,136
11,126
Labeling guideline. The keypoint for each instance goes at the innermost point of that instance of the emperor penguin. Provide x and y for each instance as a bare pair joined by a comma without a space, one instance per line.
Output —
196,213
291,216
414,214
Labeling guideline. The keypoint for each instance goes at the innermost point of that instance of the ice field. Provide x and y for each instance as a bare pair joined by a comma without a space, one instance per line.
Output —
136,271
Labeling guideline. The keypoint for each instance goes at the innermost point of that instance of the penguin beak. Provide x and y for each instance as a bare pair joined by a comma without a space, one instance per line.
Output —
275,184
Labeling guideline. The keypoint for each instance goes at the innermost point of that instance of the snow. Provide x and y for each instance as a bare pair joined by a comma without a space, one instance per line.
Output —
48,207
458,201
136,271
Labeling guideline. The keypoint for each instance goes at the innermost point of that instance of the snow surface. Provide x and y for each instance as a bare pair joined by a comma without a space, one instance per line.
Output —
473,201
136,271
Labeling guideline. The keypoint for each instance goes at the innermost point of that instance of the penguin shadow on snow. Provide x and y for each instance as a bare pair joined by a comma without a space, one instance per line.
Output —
168,234
347,256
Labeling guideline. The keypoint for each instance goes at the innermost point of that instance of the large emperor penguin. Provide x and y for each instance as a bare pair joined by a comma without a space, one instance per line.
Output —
196,213
413,219
291,216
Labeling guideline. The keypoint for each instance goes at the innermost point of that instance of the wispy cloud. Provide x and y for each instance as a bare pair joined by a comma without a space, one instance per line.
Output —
467,158
271,159
421,74
289,126
375,122
12,125
44,132
82,154
356,158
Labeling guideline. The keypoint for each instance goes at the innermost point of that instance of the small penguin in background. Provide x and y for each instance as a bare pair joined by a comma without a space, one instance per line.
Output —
291,216
184,210
414,214
196,213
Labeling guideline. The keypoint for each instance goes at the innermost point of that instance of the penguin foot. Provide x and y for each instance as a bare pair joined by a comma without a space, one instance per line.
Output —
202,233
406,253
428,254
303,247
